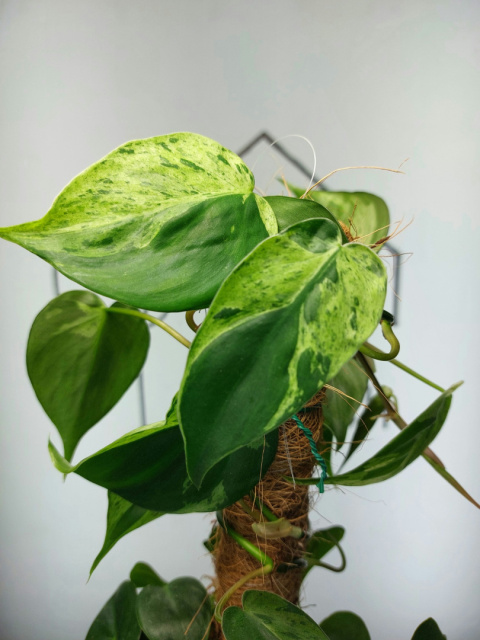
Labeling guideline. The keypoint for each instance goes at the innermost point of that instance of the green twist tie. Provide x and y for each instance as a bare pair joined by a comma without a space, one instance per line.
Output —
314,450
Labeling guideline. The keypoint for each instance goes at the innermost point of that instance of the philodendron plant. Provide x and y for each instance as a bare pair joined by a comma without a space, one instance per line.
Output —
294,288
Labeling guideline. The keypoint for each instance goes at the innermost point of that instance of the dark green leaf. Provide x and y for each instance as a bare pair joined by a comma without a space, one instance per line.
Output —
293,312
368,213
345,625
429,630
147,468
323,541
117,620
266,616
289,211
165,613
122,517
399,452
157,223
81,359
341,406
142,574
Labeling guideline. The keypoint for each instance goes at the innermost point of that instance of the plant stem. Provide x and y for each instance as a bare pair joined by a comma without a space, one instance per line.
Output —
261,571
371,351
318,563
160,323
413,373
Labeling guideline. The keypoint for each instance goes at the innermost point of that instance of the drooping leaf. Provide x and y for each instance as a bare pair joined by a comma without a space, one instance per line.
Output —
429,630
122,518
117,620
266,616
147,467
142,574
342,404
81,358
365,214
345,625
402,450
283,323
321,542
157,224
165,613
289,211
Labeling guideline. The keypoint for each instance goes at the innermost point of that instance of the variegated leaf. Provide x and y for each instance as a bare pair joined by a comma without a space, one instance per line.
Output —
365,214
283,323
157,223
147,468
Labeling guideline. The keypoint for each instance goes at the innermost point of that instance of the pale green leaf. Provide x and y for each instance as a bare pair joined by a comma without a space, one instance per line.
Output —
157,224
283,323
289,211
365,214
122,518
81,359
266,616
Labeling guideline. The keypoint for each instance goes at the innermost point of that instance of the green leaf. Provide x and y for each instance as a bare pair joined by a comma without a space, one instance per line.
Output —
341,406
402,450
81,359
289,211
323,541
117,620
122,518
158,223
266,616
429,630
142,575
369,213
147,467
345,625
294,311
165,613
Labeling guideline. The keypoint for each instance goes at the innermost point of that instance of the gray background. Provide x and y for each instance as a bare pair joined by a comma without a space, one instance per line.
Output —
368,82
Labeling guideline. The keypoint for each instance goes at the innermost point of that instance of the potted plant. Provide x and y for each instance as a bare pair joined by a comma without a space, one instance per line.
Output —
294,288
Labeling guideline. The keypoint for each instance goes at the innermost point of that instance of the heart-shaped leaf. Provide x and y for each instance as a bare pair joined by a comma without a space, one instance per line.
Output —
122,518
283,323
117,620
81,358
179,610
342,403
157,223
266,616
345,625
429,630
147,467
289,211
401,451
142,575
365,214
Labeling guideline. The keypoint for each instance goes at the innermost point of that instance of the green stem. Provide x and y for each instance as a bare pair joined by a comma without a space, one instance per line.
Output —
256,515
312,562
372,352
269,515
261,571
163,325
413,373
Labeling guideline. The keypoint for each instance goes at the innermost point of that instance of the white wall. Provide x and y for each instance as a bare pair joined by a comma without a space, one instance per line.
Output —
368,82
